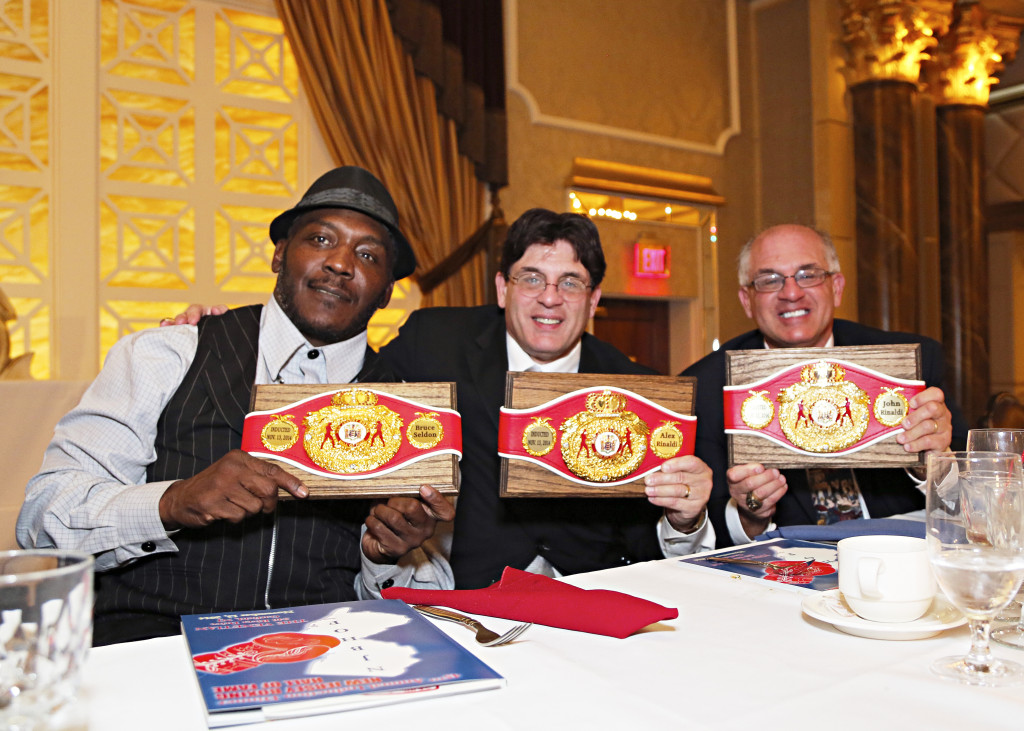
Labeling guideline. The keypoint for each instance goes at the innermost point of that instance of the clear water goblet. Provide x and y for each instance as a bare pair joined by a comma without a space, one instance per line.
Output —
1003,440
975,536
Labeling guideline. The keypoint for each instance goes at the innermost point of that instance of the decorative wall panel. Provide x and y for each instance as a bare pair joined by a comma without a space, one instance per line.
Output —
147,139
243,249
24,219
200,128
149,39
25,31
147,242
140,173
25,187
32,332
254,59
24,138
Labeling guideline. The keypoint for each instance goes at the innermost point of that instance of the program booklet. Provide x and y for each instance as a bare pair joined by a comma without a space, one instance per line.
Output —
789,563
301,661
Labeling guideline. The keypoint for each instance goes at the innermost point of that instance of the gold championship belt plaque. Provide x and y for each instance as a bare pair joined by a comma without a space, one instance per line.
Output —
590,435
358,440
820,407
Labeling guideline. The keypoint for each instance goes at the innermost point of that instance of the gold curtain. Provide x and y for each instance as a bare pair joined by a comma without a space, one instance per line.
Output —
375,112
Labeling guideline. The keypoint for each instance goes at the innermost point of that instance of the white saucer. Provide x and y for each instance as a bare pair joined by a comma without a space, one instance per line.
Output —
829,606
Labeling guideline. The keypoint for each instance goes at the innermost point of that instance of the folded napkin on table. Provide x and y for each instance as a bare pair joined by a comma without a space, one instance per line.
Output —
527,597
848,528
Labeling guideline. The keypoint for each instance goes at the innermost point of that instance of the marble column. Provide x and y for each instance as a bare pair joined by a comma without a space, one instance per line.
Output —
958,76
885,42
884,146
963,248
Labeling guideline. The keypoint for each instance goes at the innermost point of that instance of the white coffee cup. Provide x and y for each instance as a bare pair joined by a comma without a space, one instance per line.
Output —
886,578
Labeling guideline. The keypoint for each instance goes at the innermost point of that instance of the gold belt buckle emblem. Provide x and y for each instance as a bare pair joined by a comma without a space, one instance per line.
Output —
353,434
425,431
758,410
280,433
667,440
823,412
605,442
891,406
539,436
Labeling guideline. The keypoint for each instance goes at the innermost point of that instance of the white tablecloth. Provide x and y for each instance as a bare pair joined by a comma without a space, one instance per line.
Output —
741,655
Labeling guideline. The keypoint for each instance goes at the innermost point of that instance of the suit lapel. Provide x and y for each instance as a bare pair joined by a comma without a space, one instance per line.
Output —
374,369
589,362
233,358
838,333
488,364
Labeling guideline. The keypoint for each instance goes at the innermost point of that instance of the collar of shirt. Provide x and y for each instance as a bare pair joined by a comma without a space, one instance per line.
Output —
519,360
284,353
828,344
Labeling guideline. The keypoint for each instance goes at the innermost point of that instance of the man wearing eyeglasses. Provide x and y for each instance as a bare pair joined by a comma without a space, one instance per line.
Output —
548,288
790,284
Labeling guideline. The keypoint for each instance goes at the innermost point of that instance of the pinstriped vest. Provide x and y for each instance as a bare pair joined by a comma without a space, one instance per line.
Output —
224,566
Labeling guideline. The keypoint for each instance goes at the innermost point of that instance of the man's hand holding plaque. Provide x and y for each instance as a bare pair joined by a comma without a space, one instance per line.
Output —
929,425
682,487
234,487
395,527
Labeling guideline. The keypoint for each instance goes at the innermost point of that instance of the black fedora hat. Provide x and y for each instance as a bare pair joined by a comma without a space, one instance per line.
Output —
359,190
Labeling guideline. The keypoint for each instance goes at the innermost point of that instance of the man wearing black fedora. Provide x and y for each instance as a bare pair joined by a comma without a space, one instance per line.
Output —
146,472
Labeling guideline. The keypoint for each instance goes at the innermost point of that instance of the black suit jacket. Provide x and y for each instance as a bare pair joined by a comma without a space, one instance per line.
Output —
886,491
467,345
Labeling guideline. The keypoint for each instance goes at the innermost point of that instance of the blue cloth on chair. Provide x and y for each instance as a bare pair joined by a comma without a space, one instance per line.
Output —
848,528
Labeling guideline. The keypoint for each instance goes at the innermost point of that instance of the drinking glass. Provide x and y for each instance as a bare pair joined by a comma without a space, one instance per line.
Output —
1003,440
975,537
45,633
995,440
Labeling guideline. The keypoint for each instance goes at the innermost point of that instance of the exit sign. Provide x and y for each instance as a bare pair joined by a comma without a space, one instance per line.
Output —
650,259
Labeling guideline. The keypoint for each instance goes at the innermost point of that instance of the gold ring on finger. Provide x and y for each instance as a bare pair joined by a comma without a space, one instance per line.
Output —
754,503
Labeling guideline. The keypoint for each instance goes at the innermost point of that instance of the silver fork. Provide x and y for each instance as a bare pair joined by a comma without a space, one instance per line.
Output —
484,636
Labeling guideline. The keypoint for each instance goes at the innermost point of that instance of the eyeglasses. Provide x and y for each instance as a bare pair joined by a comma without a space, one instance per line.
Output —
532,284
773,281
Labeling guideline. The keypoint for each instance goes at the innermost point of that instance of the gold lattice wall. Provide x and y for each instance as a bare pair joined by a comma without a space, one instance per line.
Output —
202,136
25,159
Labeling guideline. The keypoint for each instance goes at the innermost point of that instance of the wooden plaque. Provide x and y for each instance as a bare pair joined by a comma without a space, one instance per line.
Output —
524,390
746,366
440,471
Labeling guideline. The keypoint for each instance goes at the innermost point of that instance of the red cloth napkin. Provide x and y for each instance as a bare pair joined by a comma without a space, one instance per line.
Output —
526,597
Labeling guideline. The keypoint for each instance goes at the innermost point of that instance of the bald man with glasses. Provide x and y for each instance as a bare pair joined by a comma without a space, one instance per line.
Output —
790,284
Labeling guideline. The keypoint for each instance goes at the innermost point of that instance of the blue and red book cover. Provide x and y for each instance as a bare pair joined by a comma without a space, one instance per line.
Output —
788,562
282,663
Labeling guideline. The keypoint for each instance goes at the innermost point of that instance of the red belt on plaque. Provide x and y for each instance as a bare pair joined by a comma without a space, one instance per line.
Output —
353,433
821,407
600,436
